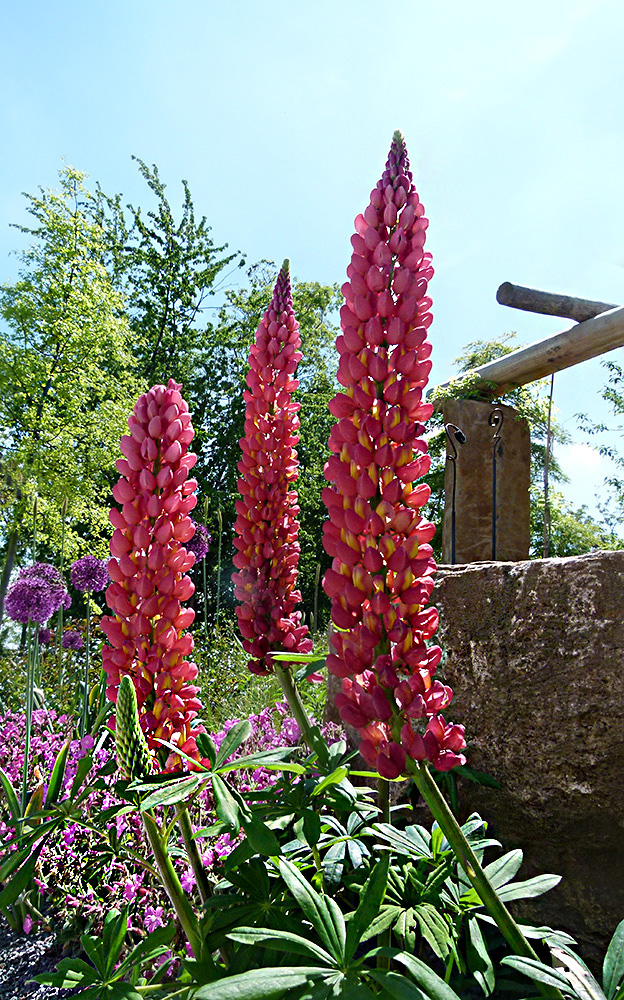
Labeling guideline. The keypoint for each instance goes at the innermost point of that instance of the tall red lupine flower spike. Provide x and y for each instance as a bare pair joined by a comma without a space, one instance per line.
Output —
382,571
147,633
266,527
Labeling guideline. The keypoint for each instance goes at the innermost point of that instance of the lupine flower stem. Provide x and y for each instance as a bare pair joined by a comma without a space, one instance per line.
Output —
186,829
464,853
173,886
292,696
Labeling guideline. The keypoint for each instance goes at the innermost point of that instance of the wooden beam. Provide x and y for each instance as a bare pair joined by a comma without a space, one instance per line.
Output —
583,341
549,303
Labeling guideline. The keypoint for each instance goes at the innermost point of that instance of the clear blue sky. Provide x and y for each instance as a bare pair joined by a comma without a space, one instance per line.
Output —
280,114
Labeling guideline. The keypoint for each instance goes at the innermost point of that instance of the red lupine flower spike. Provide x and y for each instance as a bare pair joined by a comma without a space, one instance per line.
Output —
147,632
382,570
266,527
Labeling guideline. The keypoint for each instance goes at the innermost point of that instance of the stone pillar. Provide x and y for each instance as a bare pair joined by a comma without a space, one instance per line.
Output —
474,486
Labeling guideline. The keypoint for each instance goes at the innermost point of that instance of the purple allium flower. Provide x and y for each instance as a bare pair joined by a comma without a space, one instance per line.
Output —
199,544
37,593
45,636
90,574
72,640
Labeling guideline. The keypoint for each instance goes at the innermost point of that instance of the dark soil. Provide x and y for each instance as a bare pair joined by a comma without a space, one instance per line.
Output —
24,956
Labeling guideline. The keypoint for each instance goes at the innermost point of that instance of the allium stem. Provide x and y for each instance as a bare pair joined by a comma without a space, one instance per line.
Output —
173,886
473,869
219,541
184,821
30,685
85,694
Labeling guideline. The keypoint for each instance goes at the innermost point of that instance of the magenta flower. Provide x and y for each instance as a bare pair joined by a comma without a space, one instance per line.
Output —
71,639
37,594
147,633
266,527
382,571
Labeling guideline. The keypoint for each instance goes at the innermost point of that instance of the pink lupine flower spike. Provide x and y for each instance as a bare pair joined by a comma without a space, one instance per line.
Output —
382,571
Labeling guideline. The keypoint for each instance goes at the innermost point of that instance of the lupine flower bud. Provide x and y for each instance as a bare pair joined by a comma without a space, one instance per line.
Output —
266,527
147,633
381,575
133,756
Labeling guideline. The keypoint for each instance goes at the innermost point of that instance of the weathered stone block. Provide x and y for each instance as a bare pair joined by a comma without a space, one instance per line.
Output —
535,657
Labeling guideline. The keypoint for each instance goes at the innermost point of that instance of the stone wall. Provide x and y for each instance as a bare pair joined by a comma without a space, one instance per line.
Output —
535,656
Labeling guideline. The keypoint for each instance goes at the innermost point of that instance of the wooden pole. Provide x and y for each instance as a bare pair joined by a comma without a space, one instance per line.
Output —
585,340
549,303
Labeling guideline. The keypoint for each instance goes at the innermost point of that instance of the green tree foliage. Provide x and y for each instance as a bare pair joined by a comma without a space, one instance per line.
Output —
167,270
572,532
216,399
66,374
612,508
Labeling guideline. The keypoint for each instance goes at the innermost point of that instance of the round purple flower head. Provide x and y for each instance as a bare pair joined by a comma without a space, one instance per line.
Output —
45,636
89,574
199,544
72,639
37,593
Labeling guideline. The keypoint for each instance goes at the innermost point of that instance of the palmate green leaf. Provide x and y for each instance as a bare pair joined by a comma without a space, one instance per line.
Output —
21,880
578,975
397,987
275,760
371,899
58,773
70,972
479,961
334,778
226,805
11,797
426,979
613,965
283,941
413,840
434,928
206,747
528,890
538,972
113,935
148,949
260,984
237,735
261,838
12,862
172,793
503,869
308,827
384,919
315,908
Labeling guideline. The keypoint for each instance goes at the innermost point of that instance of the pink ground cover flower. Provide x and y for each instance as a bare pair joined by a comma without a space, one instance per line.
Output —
382,571
266,527
147,632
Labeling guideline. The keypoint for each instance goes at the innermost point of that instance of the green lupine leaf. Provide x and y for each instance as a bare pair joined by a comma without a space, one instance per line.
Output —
428,980
11,797
148,949
172,793
20,881
283,941
434,928
308,827
334,778
225,805
69,973
414,840
113,935
93,949
371,899
384,919
528,890
55,784
206,747
613,966
84,766
397,987
503,869
259,984
479,961
313,905
578,975
236,736
261,838
537,971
